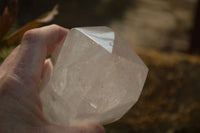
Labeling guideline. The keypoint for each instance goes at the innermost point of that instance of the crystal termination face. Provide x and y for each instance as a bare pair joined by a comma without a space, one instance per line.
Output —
97,78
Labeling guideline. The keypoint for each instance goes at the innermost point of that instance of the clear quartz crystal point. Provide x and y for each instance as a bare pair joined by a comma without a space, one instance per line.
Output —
97,78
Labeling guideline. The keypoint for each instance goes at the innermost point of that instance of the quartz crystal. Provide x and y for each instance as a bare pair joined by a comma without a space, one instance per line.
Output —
97,78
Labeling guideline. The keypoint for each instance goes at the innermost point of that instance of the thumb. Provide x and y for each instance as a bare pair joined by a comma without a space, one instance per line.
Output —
46,72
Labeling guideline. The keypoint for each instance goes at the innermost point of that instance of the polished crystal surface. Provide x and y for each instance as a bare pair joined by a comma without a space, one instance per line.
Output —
97,78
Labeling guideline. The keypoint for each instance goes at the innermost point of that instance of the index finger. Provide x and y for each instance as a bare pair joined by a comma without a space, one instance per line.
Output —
36,45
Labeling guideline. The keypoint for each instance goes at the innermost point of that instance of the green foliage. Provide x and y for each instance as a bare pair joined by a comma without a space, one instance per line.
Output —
4,52
12,29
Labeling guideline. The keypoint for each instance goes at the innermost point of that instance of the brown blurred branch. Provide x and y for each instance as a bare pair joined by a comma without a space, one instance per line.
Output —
8,17
33,24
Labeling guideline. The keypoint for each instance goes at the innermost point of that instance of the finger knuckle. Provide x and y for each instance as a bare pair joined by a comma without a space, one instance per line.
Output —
30,36
55,25
60,30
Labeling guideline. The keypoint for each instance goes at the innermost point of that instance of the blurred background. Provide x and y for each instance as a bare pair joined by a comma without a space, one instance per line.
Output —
165,33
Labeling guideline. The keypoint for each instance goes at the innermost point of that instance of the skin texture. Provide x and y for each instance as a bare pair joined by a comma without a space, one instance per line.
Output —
20,76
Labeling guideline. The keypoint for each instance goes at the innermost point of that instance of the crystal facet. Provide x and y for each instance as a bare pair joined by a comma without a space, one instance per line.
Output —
97,78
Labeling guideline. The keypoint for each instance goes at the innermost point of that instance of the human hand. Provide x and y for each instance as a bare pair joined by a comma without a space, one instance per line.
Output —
20,77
